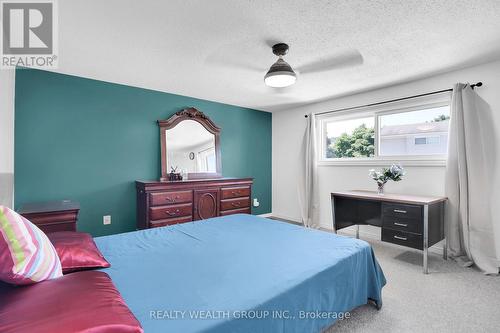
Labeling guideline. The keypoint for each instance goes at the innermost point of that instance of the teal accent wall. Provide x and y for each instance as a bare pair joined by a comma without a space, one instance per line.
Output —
89,140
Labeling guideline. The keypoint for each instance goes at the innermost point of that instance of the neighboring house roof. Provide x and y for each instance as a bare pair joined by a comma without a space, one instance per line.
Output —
431,127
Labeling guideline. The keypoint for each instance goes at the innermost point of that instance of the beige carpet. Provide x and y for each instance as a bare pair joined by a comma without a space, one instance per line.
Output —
449,299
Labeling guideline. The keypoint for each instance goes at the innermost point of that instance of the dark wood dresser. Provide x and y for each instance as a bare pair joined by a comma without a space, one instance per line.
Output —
52,216
166,203
407,220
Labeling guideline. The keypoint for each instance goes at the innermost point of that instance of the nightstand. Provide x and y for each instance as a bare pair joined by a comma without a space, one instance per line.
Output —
52,216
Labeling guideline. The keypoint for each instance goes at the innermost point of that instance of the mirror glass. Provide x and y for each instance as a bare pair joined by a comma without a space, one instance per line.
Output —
190,148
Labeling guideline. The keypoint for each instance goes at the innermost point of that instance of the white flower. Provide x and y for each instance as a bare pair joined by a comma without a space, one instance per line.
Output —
396,170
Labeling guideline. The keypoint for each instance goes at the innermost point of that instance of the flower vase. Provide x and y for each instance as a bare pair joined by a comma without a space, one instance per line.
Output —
380,189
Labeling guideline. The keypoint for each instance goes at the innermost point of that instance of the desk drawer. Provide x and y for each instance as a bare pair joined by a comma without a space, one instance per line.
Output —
407,239
235,192
402,224
169,198
400,210
164,212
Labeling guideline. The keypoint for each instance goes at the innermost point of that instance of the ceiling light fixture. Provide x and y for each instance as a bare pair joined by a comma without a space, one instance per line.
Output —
280,74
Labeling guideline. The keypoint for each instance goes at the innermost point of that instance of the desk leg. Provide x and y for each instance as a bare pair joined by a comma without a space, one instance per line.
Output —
426,237
333,215
445,249
357,231
445,243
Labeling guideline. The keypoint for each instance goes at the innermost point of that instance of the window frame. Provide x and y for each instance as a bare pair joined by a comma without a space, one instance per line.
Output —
409,105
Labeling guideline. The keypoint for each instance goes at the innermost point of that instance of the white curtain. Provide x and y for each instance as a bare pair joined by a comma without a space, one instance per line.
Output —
308,178
470,178
6,189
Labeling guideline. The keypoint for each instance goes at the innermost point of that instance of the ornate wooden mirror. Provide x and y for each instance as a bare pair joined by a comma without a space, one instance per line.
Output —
190,145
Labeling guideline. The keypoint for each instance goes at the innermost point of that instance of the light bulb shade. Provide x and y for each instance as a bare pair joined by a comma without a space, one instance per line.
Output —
280,79
280,75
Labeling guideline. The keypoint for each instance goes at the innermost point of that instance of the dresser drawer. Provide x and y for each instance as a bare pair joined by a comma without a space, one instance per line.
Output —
402,224
57,226
51,217
171,221
236,211
236,203
163,212
54,221
169,198
402,238
400,210
235,192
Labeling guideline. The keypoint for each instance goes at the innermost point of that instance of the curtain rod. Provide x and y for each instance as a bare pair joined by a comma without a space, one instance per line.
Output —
479,84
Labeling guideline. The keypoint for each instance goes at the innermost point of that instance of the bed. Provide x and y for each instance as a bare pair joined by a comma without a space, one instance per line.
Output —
241,273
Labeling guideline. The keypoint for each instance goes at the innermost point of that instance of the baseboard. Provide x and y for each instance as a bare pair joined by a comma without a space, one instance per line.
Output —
286,218
266,215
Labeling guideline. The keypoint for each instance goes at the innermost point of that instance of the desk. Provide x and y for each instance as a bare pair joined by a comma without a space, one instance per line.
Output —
407,220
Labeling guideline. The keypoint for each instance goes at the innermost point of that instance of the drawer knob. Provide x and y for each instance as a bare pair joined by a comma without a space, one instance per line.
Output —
235,192
401,224
172,213
235,204
172,199
400,211
401,238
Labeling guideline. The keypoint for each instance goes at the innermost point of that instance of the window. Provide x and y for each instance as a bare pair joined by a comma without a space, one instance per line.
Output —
427,141
420,141
416,131
206,160
350,138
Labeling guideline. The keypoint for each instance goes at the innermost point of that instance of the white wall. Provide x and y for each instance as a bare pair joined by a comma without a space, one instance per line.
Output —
288,131
6,136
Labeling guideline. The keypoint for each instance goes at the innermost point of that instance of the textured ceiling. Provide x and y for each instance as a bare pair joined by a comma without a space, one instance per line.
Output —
220,50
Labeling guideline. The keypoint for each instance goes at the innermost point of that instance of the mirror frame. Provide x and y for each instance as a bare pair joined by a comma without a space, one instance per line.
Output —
198,116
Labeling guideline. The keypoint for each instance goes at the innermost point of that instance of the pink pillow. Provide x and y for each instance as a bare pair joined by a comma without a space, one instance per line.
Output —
85,302
77,251
26,254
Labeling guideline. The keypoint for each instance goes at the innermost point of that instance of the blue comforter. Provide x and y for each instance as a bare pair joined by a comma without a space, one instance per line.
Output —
240,273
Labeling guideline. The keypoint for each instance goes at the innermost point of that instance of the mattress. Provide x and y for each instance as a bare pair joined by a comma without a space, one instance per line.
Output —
241,273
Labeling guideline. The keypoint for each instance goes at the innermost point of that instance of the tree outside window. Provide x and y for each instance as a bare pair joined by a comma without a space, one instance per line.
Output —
360,143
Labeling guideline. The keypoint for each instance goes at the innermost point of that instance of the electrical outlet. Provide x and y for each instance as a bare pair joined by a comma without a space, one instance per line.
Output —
106,219
256,202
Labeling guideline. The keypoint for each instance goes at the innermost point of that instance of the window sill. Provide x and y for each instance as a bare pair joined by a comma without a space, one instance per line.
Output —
408,162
